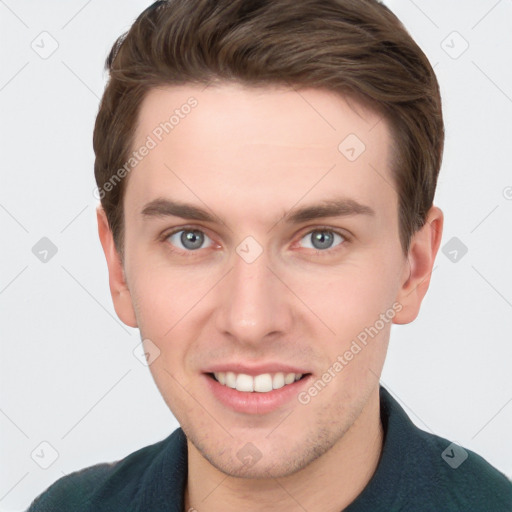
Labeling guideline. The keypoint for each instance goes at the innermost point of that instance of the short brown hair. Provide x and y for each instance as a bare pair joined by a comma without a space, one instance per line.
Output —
352,47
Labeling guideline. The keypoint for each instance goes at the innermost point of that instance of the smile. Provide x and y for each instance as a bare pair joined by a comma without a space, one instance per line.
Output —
262,383
255,394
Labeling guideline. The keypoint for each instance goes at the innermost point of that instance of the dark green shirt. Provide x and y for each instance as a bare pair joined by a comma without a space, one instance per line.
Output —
417,472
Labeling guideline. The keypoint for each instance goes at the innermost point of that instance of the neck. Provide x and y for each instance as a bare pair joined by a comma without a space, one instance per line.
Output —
328,484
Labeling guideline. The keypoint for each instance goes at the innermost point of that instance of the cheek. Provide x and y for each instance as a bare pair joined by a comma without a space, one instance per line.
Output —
170,309
351,297
159,302
350,302
153,298
160,291
161,305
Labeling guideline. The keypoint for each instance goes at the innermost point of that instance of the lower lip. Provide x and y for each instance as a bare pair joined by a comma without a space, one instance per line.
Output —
254,402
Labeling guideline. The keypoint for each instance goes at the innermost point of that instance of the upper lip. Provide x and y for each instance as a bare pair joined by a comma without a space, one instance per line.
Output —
270,367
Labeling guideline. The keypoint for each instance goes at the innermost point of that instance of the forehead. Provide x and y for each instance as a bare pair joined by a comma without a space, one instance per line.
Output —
263,148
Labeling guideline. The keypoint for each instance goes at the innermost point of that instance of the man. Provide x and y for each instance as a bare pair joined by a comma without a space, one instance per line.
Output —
266,173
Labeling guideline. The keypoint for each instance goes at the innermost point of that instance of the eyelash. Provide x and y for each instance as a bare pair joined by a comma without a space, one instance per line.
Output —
316,252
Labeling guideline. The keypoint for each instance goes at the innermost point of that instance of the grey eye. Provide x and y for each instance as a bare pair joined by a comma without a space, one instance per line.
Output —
190,239
322,238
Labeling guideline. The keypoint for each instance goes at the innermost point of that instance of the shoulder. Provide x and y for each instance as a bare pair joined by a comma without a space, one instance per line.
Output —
434,473
111,486
463,478
73,491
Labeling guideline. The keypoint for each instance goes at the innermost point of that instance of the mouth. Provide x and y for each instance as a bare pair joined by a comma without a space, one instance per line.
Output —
262,383
259,394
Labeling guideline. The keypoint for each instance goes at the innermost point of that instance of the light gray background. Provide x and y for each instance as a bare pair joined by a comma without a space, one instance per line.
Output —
68,374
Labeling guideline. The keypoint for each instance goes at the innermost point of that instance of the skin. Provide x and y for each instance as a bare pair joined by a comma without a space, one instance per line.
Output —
251,156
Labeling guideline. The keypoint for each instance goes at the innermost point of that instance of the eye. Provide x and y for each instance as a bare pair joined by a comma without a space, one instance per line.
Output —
190,239
322,239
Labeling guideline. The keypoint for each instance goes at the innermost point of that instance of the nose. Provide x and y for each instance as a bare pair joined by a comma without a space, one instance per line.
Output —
255,304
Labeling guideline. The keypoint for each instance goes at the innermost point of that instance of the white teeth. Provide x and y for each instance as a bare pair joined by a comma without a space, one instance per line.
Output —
244,382
278,381
230,380
260,383
263,383
289,378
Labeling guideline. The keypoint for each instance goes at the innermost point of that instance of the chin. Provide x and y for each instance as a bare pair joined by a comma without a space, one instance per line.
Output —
257,470
273,461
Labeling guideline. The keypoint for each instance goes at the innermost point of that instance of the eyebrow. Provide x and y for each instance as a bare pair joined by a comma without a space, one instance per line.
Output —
338,207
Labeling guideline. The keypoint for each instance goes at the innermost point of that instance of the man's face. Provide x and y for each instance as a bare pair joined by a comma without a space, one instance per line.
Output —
253,290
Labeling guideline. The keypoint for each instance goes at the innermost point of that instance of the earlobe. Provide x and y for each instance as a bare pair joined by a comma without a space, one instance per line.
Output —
121,295
422,253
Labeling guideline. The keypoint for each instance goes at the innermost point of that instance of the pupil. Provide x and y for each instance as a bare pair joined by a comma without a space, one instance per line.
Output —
325,241
192,239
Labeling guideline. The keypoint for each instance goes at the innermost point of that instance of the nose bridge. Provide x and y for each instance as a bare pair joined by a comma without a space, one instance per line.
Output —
254,302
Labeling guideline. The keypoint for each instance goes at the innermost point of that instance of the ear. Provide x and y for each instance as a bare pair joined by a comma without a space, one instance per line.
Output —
416,277
121,296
